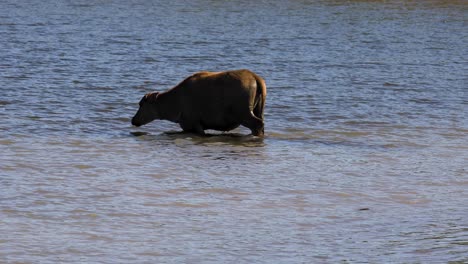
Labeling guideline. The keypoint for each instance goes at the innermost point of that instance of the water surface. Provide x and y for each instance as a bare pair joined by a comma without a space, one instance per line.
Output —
364,159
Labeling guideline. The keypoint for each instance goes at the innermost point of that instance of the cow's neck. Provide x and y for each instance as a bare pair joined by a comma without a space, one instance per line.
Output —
169,106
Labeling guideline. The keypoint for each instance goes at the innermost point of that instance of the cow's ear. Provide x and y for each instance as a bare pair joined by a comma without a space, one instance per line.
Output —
151,97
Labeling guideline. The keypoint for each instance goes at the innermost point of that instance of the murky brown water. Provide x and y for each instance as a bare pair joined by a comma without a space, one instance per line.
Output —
364,159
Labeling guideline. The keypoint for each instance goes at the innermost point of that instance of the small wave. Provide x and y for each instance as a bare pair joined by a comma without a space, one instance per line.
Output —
424,101
227,191
150,60
184,205
100,88
138,133
39,24
297,134
390,84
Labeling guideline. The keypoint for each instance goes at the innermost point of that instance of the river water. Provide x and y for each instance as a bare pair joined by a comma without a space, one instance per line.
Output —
364,160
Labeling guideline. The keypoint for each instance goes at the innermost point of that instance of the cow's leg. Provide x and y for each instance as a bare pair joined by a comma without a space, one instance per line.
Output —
192,128
198,129
254,123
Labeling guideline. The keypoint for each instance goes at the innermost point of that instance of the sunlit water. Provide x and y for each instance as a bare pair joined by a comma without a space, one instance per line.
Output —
364,160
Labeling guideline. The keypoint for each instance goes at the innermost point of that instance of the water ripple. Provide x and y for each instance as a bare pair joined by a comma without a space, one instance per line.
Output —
365,143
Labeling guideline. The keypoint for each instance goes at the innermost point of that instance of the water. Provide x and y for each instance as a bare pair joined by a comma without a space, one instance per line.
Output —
364,158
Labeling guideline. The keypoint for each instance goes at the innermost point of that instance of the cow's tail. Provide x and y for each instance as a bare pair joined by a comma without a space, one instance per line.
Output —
260,97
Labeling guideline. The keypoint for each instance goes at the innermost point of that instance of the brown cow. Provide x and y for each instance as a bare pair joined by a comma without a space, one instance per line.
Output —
209,100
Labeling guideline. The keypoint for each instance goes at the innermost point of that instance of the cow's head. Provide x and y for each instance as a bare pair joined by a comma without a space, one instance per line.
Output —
148,110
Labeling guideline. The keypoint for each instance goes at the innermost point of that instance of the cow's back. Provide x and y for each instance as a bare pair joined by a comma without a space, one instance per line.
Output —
207,88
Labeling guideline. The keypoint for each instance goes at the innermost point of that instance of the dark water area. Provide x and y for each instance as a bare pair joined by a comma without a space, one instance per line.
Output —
364,158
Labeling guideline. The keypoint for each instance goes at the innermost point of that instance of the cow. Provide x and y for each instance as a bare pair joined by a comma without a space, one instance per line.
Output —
209,100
